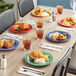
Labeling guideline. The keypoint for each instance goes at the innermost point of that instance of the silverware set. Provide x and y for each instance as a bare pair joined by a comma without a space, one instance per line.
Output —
64,29
34,70
51,47
25,70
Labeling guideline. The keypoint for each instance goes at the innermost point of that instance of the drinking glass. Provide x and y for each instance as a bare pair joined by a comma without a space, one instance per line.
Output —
39,33
39,24
73,6
27,44
59,9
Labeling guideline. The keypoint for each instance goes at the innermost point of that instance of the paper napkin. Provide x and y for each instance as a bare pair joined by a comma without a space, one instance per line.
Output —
69,30
51,47
12,36
30,73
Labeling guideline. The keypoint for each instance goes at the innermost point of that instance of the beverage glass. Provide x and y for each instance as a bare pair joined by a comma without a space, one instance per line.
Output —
59,9
39,24
27,44
39,33
73,6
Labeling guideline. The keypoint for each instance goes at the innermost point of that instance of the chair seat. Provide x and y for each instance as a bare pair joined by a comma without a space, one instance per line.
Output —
72,66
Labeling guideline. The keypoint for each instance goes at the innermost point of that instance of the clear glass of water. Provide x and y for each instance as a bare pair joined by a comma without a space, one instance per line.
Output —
73,6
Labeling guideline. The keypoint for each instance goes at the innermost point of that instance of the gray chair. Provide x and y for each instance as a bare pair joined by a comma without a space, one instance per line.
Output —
7,18
25,6
72,65
62,66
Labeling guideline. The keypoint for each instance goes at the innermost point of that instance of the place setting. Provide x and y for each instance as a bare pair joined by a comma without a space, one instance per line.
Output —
55,37
9,41
36,58
30,71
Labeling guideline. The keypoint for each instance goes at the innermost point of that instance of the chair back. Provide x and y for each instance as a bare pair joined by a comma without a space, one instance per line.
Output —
25,6
7,18
62,66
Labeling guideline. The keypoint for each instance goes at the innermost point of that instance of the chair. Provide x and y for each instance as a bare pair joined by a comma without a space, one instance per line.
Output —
62,66
7,18
72,65
25,6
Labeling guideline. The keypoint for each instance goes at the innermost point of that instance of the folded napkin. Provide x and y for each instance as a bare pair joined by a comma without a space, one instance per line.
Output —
44,8
12,36
29,71
30,22
69,30
51,47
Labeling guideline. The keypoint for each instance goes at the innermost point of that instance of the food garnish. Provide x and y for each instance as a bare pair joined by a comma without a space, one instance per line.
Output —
16,27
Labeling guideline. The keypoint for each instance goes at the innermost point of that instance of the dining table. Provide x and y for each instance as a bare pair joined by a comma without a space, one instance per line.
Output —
15,58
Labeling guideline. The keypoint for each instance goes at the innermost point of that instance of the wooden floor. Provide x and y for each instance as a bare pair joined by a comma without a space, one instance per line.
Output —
70,74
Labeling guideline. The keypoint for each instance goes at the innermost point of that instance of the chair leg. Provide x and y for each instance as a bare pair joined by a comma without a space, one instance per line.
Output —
74,45
67,65
62,70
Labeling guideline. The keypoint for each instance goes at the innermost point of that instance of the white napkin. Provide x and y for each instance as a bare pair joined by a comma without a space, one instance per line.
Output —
44,8
51,47
12,36
30,73
29,22
69,30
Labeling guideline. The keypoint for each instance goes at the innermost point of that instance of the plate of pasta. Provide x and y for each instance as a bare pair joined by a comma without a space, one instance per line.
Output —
58,36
